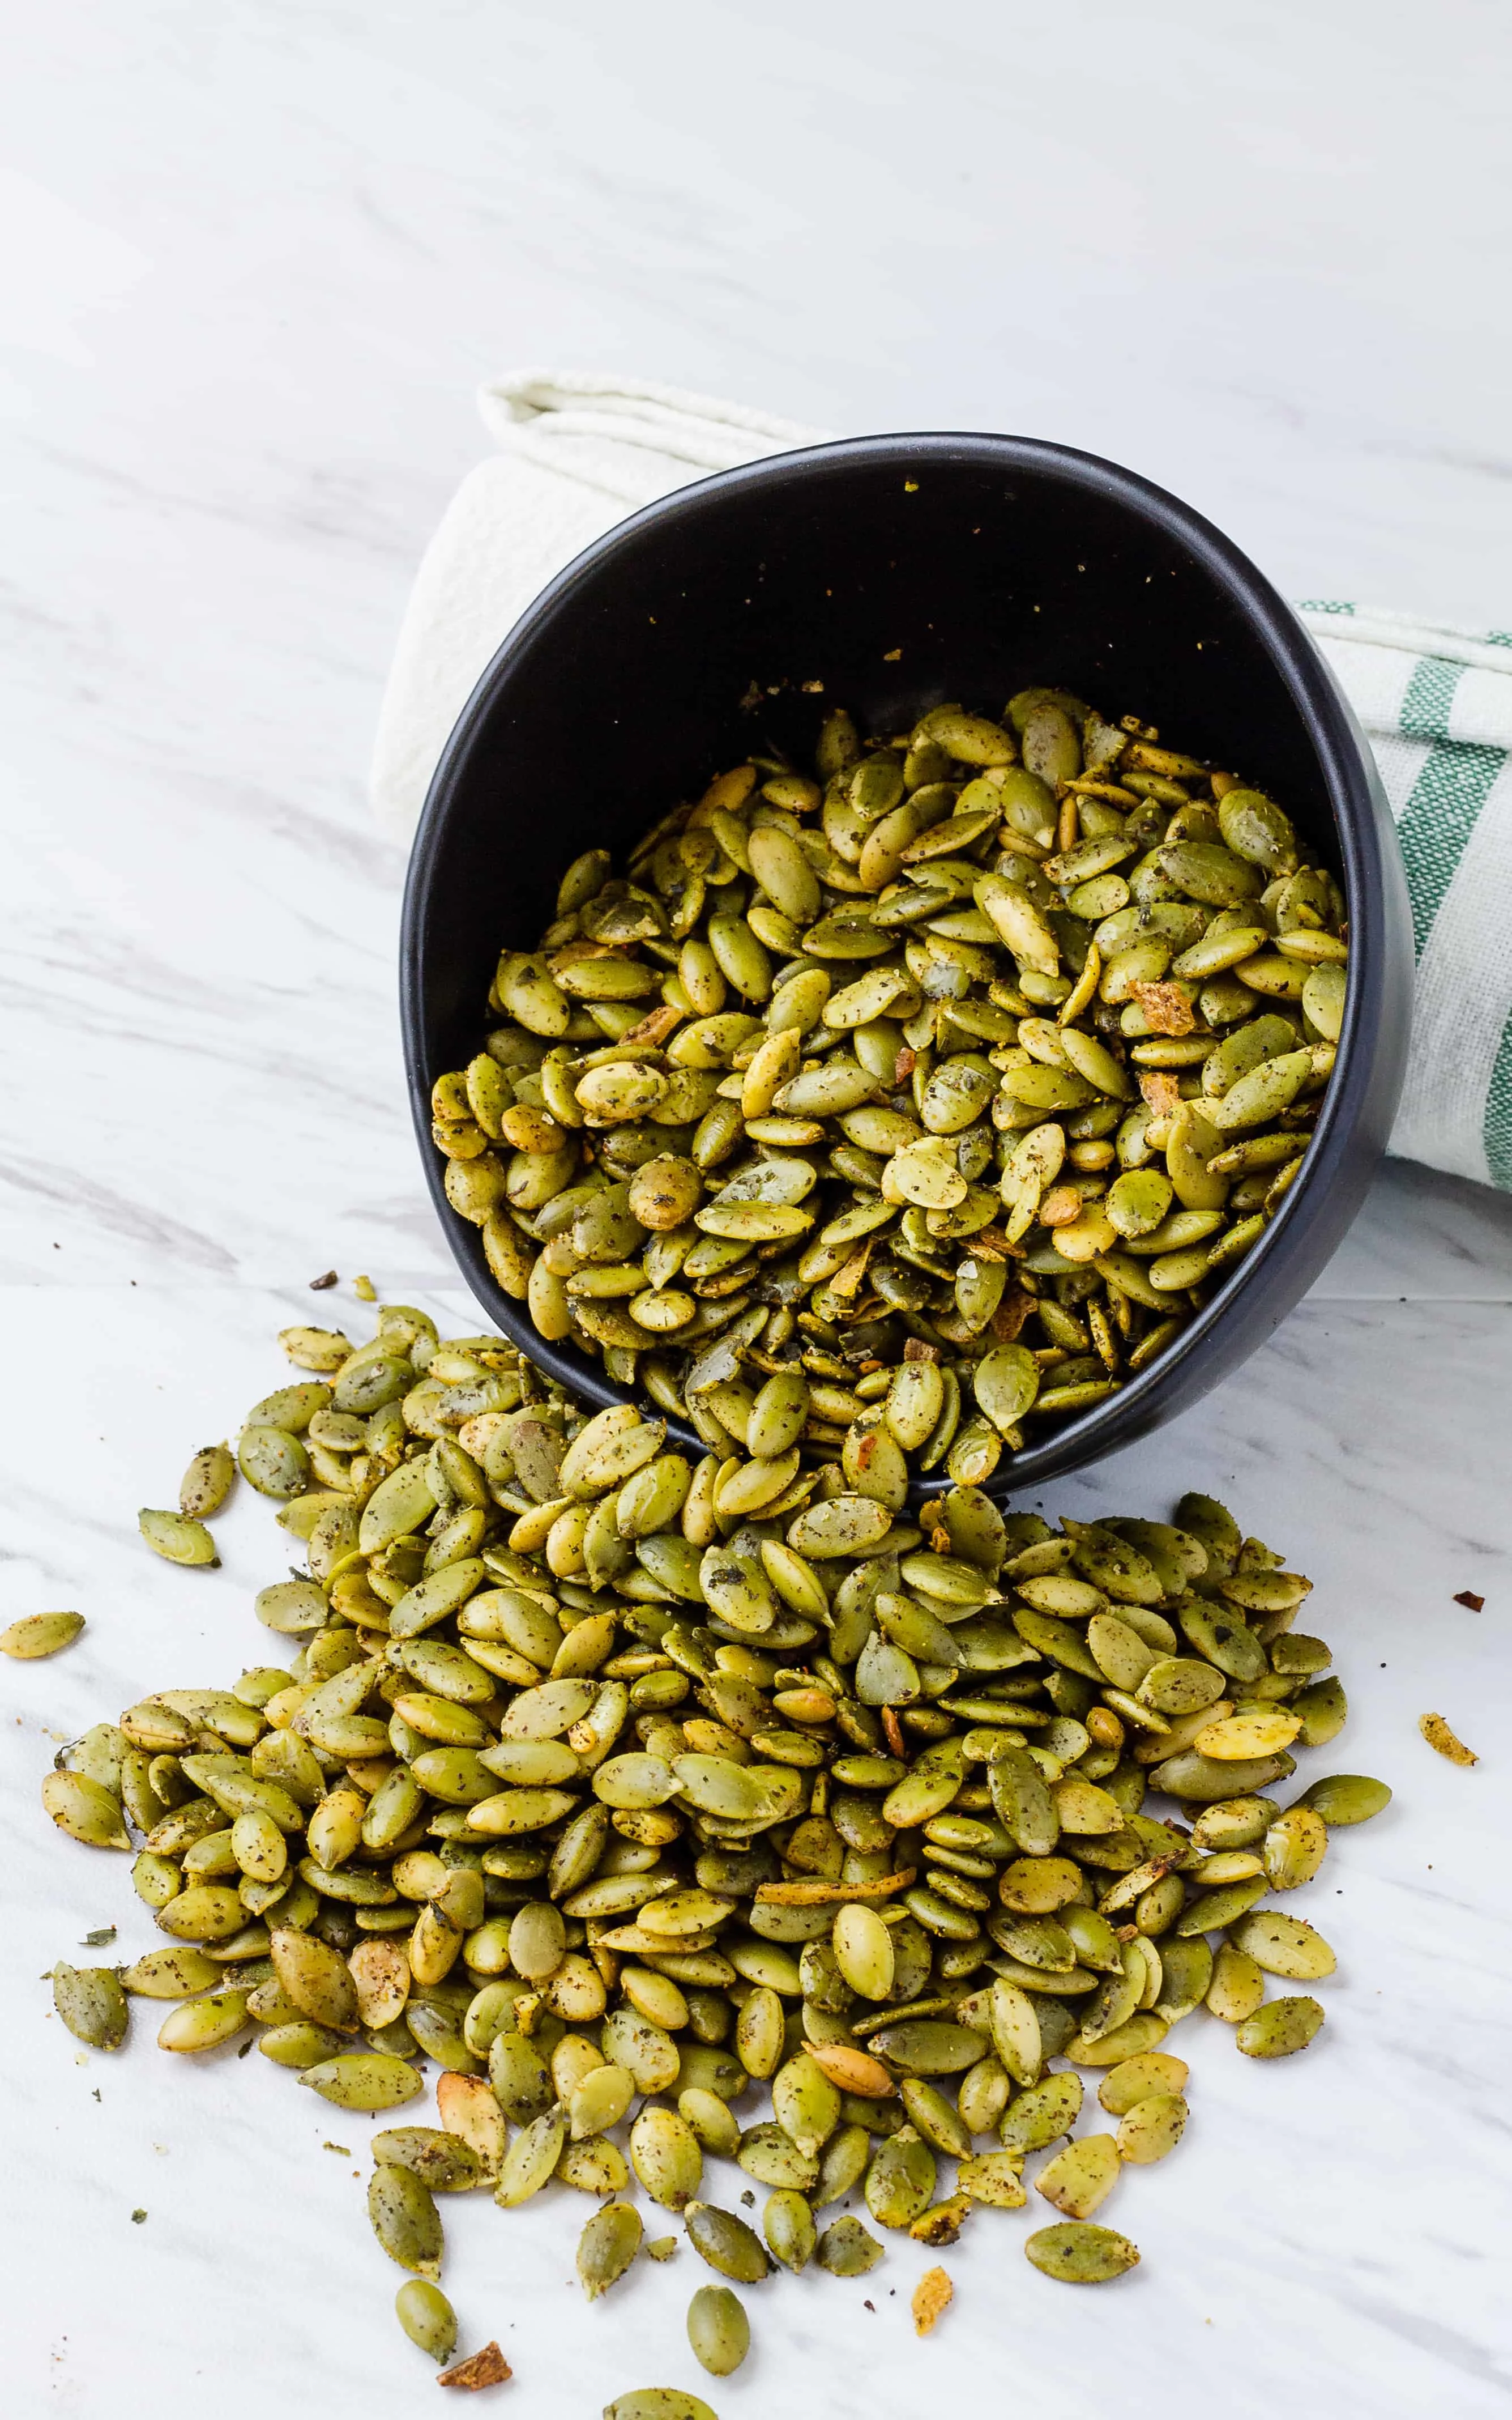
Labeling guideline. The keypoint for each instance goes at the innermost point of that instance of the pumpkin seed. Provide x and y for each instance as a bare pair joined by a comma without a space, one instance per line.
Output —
606,2247
404,2219
726,2243
659,2403
847,2248
1280,2028
92,2004
717,2330
1284,1945
40,1634
426,2318
179,1539
1079,2255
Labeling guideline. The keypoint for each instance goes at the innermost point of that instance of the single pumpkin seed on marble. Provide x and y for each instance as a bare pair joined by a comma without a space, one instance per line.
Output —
92,2004
659,2403
178,1537
206,1482
426,2318
1080,2255
717,2330
37,1634
606,2247
1279,2028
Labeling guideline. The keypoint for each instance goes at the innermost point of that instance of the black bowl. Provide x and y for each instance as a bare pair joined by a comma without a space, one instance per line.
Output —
897,571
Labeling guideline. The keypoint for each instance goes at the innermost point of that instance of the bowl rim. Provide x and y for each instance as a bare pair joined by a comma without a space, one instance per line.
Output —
1350,784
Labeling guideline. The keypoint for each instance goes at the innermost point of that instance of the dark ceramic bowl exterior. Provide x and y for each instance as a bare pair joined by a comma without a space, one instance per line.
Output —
896,571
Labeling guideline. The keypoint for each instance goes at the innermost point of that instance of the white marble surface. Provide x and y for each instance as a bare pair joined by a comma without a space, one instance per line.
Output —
258,256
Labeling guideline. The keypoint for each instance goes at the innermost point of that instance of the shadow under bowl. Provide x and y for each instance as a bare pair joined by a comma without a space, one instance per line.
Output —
887,573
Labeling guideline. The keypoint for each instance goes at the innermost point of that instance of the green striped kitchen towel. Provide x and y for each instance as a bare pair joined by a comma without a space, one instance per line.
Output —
577,453
1436,705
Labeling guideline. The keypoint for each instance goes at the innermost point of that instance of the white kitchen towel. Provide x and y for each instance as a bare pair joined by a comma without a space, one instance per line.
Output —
576,453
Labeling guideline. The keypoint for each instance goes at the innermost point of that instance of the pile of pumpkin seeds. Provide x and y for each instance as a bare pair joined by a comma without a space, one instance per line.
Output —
618,1797
997,1044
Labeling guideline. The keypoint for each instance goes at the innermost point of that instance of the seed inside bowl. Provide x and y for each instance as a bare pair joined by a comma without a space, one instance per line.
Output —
910,1106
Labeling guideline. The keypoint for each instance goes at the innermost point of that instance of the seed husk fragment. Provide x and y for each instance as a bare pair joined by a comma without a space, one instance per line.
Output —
1439,1736
933,2296
485,2367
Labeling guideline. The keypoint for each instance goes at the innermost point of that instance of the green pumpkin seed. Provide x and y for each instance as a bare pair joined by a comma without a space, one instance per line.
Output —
1284,1945
442,2161
92,2004
1039,2116
404,2219
40,1634
665,2155
1079,2255
365,2080
717,2330
426,2318
1346,1798
787,2223
179,1539
726,2243
606,2247
1079,2178
1280,2028
203,2025
1237,1986
659,2403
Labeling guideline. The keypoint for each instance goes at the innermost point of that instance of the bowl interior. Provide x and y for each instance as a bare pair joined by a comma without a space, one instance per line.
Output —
884,575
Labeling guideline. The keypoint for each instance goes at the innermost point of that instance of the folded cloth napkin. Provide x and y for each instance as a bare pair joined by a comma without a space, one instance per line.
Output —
576,453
